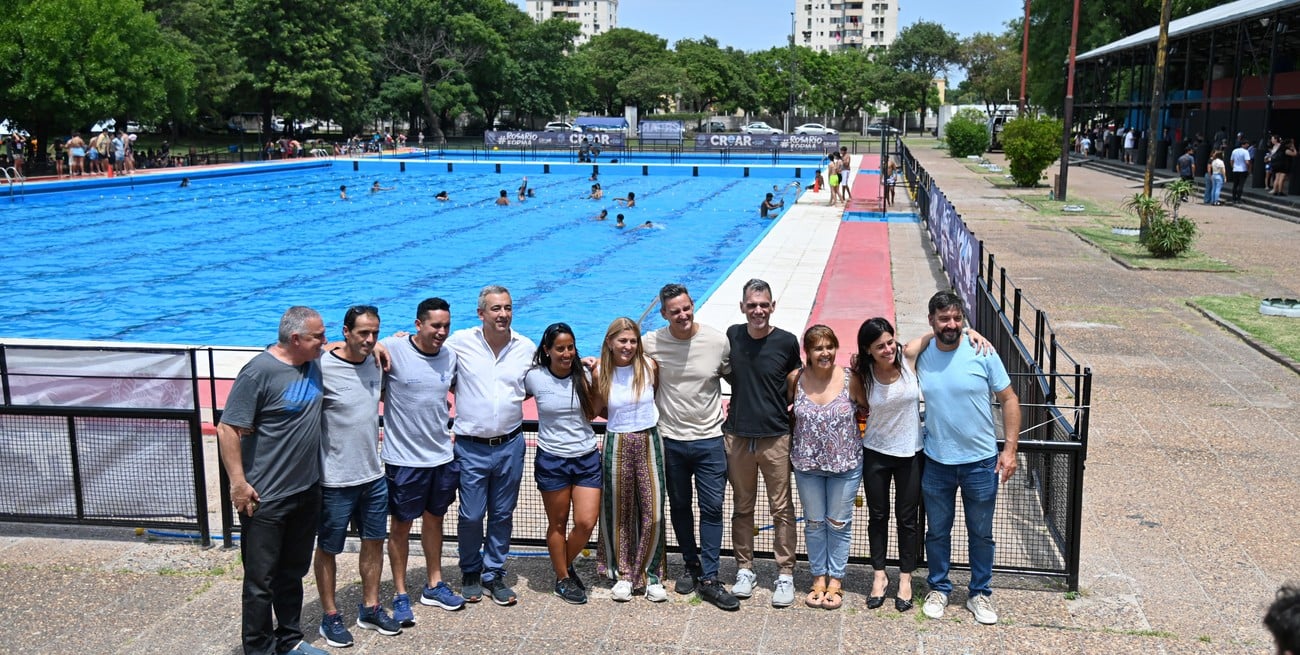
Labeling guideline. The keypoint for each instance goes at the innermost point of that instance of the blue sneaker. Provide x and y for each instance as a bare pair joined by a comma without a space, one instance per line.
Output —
441,595
402,610
304,648
375,618
335,633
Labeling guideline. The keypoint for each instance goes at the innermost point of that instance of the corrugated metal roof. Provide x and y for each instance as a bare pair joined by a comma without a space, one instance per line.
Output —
1225,14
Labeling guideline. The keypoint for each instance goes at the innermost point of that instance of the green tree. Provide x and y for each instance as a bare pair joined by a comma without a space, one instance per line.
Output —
925,50
719,78
992,66
58,72
1031,143
653,87
545,75
612,57
199,28
305,61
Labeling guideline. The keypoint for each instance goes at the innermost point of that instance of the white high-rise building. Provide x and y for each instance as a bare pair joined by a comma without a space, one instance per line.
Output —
829,25
595,16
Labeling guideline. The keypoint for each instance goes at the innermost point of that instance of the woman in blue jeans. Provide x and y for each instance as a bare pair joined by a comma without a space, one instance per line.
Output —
827,457
1218,173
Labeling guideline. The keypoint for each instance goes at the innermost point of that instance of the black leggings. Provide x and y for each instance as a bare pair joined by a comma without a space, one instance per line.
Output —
877,471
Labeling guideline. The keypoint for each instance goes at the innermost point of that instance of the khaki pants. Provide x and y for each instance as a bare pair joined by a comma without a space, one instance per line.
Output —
746,458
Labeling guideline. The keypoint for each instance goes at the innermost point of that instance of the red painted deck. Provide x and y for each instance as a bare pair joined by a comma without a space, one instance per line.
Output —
856,285
865,191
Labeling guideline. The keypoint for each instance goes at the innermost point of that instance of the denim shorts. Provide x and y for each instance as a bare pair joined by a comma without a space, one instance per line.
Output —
414,490
365,505
554,473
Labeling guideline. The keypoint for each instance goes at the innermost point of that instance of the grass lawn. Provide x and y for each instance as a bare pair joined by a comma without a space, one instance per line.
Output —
1280,332
1129,251
1046,205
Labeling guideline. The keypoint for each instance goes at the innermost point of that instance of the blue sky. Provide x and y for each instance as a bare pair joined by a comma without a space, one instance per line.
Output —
761,24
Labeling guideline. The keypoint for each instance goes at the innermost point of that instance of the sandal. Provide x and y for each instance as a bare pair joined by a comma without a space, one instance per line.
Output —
816,596
834,597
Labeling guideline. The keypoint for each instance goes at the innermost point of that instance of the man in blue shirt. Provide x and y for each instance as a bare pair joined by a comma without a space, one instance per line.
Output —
962,453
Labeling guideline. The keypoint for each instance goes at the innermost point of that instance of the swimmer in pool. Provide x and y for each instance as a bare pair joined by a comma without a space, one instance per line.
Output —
620,221
628,202
185,181
442,196
604,214
596,192
524,191
504,198
343,192
768,206
648,225
375,187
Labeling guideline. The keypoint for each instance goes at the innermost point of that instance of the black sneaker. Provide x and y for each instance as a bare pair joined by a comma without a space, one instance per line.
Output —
471,588
500,594
712,591
573,575
689,578
375,618
570,591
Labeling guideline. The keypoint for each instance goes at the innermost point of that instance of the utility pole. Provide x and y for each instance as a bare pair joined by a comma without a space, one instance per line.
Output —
1024,60
1062,180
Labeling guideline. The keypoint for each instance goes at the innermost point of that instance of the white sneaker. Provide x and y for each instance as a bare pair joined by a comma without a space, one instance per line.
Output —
622,591
655,593
783,591
935,601
744,587
982,607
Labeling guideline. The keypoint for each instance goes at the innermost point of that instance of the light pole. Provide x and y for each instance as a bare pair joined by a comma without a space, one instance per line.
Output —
1024,60
794,68
1062,180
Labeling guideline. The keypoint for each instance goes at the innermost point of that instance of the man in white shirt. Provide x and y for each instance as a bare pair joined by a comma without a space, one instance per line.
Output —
1130,146
492,360
1240,169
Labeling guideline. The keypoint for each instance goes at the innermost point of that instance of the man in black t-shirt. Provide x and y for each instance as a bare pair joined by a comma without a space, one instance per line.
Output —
757,437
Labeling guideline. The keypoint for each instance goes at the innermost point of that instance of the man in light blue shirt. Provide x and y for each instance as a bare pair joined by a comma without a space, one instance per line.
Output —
961,453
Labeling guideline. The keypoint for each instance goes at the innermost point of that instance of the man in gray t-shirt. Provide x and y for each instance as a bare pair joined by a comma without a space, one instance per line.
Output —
418,460
269,443
352,479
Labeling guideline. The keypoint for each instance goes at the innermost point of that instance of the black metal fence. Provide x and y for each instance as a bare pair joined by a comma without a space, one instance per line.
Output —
1038,521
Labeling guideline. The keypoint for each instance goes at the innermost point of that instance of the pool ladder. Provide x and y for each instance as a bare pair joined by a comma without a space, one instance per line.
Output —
12,175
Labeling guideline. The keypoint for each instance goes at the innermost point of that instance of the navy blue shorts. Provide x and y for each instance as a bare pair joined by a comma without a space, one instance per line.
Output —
365,505
414,490
554,473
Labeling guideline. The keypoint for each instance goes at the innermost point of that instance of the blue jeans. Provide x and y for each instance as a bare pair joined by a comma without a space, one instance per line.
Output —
704,460
489,489
828,497
978,482
1216,188
1209,188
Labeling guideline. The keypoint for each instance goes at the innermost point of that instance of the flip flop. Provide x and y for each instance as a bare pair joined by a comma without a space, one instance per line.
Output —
816,596
834,597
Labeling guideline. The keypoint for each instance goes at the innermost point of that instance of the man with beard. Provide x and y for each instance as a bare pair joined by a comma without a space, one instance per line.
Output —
962,453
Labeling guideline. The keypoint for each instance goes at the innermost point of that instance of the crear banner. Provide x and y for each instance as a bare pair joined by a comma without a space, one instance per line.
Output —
520,139
664,130
781,142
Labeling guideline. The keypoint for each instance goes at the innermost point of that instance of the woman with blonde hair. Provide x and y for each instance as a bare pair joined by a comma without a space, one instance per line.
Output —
632,539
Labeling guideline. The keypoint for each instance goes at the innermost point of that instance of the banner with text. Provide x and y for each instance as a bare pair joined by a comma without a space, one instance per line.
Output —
521,139
807,143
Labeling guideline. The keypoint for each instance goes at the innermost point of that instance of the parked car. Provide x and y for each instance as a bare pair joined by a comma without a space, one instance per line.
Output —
561,126
759,127
877,129
712,126
814,128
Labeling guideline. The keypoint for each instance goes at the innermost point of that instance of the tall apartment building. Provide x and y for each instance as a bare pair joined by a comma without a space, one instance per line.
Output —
829,25
595,16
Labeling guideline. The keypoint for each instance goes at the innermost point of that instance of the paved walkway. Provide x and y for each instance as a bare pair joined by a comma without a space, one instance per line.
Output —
1193,454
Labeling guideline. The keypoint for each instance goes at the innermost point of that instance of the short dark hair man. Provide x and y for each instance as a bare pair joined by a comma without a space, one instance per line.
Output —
352,477
1283,620
1187,165
961,453
269,439
418,459
757,436
692,360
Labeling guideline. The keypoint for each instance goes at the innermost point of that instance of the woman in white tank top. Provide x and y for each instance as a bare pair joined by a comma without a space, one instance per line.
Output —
632,540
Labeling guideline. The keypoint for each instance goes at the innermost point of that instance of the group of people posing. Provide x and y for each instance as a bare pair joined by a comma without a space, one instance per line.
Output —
301,442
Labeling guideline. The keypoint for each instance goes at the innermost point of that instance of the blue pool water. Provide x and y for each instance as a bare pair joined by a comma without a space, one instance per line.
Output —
216,263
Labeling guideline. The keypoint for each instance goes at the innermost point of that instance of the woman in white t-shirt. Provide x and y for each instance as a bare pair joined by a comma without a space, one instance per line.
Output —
632,540
567,465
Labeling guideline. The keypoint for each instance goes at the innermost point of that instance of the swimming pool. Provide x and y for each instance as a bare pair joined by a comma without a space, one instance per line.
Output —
217,262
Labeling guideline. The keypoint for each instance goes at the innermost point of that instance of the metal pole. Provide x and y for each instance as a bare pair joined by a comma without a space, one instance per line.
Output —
1064,176
1024,60
1157,96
